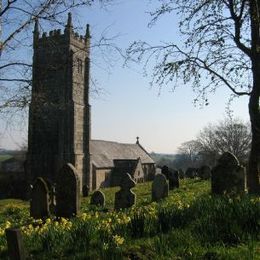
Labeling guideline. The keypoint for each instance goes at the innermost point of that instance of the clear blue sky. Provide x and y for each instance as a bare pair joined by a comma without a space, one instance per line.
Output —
129,107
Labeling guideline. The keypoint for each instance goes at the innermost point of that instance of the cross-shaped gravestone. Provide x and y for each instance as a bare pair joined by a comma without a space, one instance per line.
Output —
125,198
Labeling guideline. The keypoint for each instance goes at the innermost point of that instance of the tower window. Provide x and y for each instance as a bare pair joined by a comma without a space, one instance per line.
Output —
80,66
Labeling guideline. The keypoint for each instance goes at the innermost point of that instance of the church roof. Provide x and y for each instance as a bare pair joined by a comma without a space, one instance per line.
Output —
103,153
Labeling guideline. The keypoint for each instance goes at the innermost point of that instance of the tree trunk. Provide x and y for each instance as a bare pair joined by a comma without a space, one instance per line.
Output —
254,109
254,112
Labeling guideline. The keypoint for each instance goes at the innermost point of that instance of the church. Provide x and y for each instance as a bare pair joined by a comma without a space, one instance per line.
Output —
60,117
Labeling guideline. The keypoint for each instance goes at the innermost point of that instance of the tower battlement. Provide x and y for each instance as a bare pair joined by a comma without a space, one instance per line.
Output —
57,36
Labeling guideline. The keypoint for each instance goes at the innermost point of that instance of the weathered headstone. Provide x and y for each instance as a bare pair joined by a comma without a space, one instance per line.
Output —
204,172
39,204
160,187
125,198
98,198
67,192
16,250
173,179
85,190
228,176
191,173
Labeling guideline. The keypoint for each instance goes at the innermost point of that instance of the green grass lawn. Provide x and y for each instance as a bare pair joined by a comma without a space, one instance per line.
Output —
189,224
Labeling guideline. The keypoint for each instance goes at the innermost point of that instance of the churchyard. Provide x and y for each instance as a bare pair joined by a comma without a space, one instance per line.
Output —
189,222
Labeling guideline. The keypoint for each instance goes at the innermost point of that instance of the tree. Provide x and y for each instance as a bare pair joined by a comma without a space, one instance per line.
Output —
17,21
189,152
228,135
221,48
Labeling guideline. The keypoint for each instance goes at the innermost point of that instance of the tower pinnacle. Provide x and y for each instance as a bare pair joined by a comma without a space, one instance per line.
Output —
36,32
69,26
87,35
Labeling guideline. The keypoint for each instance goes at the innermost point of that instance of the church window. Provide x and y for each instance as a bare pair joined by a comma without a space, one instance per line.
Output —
80,66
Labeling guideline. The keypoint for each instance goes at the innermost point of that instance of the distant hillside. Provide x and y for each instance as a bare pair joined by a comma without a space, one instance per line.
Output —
160,157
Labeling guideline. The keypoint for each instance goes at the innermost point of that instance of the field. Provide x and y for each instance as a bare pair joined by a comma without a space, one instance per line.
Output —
189,224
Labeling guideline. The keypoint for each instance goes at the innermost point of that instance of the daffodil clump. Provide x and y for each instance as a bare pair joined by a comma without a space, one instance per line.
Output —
106,233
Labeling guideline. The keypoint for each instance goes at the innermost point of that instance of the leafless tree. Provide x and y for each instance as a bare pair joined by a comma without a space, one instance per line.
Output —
220,48
190,153
233,136
17,20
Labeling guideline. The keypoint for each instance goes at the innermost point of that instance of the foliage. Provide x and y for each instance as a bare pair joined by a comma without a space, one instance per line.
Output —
189,224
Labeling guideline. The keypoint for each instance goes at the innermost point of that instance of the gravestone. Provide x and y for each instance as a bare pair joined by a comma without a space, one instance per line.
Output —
160,187
165,171
228,177
39,204
85,190
53,199
125,198
181,174
16,250
191,173
98,198
173,179
204,172
67,192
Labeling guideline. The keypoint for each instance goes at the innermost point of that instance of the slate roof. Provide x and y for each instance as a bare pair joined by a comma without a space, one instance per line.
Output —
103,153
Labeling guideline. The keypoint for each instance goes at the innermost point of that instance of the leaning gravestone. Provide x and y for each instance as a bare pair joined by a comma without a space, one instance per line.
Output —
16,250
228,176
204,172
125,198
98,198
160,187
173,176
39,204
67,192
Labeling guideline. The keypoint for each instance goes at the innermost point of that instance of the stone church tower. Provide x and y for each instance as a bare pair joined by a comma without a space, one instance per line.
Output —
59,113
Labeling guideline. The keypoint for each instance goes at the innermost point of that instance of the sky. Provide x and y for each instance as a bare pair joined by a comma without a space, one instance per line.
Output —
128,106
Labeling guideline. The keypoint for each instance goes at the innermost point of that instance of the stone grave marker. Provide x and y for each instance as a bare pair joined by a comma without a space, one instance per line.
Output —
85,190
181,174
228,177
39,204
191,173
125,198
67,192
16,250
160,187
98,198
204,172
165,171
173,179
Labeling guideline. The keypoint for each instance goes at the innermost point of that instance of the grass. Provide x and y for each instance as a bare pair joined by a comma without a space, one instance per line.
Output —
4,157
189,224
